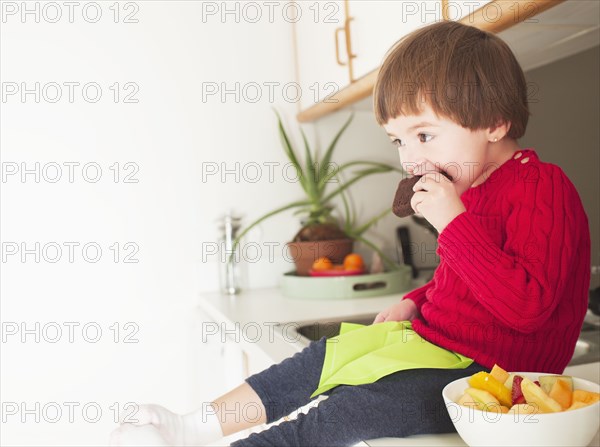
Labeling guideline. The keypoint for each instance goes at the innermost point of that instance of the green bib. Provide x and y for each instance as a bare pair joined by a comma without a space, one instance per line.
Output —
363,354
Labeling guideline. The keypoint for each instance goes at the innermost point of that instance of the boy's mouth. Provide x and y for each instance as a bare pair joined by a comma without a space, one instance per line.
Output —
444,173
448,176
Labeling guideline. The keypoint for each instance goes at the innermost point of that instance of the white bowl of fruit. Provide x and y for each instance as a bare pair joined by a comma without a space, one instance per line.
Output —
523,409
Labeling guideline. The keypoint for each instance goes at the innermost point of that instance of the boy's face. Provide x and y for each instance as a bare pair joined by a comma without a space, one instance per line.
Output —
427,142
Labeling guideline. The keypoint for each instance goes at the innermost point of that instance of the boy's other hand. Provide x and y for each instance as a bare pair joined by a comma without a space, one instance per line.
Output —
401,311
436,199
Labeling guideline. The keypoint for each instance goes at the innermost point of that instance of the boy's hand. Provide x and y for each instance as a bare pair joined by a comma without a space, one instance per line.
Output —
436,199
401,311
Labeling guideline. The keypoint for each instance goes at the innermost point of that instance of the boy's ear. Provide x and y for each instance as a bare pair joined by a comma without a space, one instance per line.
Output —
499,131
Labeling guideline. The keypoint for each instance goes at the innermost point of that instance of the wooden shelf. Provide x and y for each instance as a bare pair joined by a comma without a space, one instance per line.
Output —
363,87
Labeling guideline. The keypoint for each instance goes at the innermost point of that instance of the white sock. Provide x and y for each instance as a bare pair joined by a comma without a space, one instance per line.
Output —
198,427
137,435
202,426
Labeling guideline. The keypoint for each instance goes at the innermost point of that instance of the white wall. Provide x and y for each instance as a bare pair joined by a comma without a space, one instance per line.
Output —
170,215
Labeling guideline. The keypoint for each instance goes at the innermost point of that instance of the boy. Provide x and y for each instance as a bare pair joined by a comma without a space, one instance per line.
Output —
514,248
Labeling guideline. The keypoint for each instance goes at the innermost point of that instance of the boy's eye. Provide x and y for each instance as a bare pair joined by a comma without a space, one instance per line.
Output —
423,138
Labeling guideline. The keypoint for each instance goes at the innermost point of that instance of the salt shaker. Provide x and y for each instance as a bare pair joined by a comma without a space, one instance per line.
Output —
230,271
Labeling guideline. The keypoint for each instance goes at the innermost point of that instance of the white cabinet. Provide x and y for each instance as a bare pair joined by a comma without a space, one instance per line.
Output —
319,73
378,24
217,364
225,357
374,26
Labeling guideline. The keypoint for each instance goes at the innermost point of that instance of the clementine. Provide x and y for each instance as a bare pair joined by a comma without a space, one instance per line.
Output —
323,263
354,261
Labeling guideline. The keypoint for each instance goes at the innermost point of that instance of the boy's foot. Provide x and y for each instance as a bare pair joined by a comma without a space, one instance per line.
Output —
199,427
137,435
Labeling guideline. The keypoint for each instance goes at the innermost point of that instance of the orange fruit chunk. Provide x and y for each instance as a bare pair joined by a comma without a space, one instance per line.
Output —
561,393
354,261
487,382
499,374
577,405
321,264
587,397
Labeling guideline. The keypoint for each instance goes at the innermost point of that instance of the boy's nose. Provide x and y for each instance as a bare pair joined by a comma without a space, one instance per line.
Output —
416,167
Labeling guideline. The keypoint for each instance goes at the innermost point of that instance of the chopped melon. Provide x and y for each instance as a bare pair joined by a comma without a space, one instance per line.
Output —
587,397
576,405
466,400
535,395
547,382
508,383
484,398
499,374
562,393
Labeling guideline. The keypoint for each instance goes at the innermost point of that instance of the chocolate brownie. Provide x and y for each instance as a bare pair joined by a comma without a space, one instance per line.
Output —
404,193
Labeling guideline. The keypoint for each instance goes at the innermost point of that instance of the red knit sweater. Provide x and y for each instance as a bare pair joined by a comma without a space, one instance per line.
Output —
512,284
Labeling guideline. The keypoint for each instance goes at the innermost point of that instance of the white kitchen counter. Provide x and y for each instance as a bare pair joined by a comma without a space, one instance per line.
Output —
255,313
250,320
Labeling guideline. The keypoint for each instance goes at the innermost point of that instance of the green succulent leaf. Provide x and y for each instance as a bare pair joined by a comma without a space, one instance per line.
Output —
322,181
309,170
325,163
364,227
290,152
357,177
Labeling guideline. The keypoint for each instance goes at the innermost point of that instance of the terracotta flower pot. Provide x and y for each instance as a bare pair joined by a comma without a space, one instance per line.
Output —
305,253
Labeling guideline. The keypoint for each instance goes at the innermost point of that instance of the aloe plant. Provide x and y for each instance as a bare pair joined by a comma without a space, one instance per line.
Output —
316,175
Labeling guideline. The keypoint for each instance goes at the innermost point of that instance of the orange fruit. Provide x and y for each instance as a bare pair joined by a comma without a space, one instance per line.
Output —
323,263
354,261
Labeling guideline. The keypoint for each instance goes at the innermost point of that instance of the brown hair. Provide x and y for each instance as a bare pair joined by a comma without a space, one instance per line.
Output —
465,74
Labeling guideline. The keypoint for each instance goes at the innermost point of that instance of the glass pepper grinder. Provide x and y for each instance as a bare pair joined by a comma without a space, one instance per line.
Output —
230,271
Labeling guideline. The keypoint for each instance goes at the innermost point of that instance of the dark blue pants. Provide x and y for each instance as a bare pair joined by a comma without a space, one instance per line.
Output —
400,404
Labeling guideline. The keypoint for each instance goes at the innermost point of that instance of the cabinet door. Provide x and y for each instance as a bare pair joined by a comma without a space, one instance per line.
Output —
318,71
218,361
378,24
234,369
255,361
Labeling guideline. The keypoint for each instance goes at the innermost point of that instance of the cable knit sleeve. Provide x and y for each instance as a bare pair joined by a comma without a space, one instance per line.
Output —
521,280
418,295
